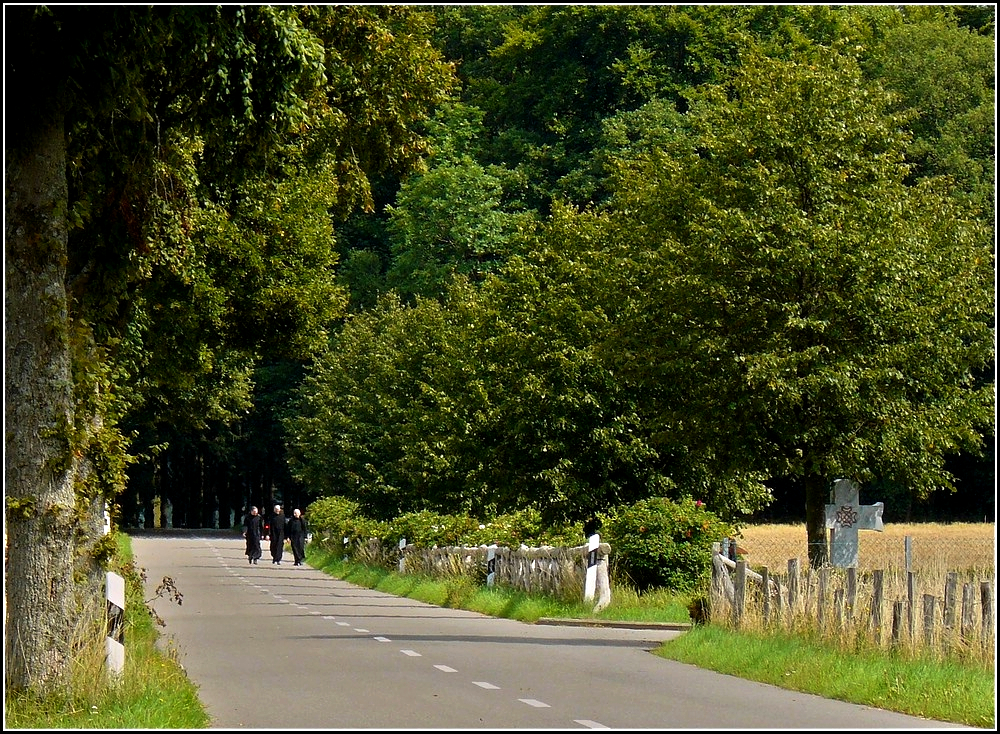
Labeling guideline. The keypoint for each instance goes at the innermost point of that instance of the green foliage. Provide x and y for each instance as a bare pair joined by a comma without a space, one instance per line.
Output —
815,316
426,529
570,379
657,542
525,527
332,519
202,248
454,218
492,400
447,221
945,78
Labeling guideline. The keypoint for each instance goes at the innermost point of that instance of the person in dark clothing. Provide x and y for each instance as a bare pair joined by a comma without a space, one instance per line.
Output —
276,534
296,531
252,527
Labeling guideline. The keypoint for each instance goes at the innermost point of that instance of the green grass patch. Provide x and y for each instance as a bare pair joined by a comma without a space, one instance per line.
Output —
933,689
152,692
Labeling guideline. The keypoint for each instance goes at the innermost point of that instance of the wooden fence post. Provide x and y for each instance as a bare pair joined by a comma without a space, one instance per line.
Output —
739,598
491,564
897,622
929,604
911,605
950,603
986,596
765,584
722,585
824,576
852,591
878,576
777,599
793,584
968,615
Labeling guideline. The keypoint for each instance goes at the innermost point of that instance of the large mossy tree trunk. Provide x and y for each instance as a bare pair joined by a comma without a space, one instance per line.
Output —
41,521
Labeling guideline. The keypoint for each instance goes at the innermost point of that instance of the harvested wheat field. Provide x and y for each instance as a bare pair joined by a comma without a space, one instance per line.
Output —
967,547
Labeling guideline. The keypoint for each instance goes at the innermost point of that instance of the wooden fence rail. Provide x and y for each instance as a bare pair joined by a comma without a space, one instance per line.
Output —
574,573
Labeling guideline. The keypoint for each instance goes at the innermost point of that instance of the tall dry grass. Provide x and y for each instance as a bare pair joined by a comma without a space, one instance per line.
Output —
933,606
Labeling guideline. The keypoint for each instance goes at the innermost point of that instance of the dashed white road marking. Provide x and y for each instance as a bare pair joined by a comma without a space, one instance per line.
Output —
534,702
588,723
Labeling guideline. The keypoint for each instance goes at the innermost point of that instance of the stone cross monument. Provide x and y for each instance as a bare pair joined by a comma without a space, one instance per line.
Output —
844,518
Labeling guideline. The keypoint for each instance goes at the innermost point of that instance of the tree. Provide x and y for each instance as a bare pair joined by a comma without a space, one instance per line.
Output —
945,79
450,220
39,465
258,292
489,400
152,149
806,313
70,70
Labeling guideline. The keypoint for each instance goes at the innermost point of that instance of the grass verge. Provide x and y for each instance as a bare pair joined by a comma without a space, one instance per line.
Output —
496,601
932,689
153,691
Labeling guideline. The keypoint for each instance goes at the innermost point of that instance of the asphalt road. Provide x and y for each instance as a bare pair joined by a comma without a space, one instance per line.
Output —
286,647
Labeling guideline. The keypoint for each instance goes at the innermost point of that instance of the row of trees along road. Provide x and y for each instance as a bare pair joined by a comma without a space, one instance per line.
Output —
477,258
173,176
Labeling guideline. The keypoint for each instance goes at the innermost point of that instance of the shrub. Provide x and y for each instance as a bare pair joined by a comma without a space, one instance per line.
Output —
524,527
427,529
334,518
657,542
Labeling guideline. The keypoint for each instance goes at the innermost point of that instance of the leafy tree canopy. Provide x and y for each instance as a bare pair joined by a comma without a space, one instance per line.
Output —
802,290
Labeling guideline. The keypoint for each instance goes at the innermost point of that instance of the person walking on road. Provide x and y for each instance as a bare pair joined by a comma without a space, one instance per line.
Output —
276,534
252,527
296,530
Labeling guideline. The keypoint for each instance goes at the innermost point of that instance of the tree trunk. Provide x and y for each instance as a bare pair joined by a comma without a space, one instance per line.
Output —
817,496
40,524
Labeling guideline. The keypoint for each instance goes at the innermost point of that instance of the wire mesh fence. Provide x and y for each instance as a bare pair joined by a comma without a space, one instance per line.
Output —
897,551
